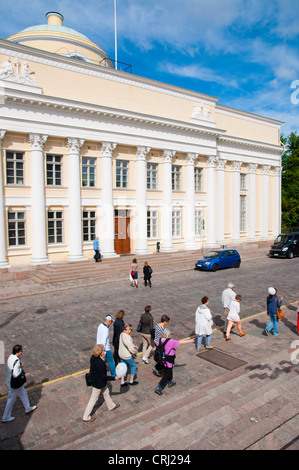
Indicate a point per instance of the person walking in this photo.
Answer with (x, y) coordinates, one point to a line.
(273, 303)
(118, 328)
(170, 347)
(159, 329)
(99, 379)
(103, 337)
(233, 317)
(97, 250)
(228, 295)
(203, 323)
(15, 369)
(134, 273)
(127, 352)
(147, 325)
(147, 274)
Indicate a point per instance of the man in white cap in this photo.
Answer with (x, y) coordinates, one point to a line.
(103, 337)
(228, 295)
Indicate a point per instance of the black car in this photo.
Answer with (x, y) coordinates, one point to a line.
(286, 245)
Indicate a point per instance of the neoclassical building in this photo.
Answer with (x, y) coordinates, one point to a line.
(89, 150)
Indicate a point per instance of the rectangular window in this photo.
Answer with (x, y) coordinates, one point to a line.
(198, 179)
(198, 223)
(242, 213)
(55, 226)
(16, 228)
(176, 223)
(176, 178)
(243, 181)
(54, 170)
(88, 172)
(152, 224)
(151, 176)
(89, 226)
(14, 168)
(121, 174)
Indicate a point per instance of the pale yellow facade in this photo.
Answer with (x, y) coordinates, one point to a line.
(179, 167)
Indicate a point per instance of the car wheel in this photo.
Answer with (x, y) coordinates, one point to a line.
(291, 255)
(214, 267)
(237, 264)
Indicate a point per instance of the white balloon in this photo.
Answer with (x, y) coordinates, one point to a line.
(121, 369)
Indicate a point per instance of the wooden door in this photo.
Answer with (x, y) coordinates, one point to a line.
(122, 243)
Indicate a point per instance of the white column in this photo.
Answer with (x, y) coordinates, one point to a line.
(141, 205)
(220, 201)
(265, 203)
(3, 252)
(189, 212)
(75, 211)
(251, 202)
(211, 213)
(38, 206)
(276, 202)
(106, 234)
(236, 165)
(166, 226)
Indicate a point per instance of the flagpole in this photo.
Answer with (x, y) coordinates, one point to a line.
(115, 35)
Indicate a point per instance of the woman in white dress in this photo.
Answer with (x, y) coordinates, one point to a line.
(203, 324)
(233, 317)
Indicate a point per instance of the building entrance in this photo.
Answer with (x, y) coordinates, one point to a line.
(122, 243)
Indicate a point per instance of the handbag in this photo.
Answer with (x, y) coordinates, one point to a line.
(17, 382)
(88, 379)
(139, 327)
(132, 273)
(279, 312)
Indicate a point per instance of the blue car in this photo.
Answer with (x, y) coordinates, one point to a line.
(218, 259)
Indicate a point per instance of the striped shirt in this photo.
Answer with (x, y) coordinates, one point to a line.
(158, 333)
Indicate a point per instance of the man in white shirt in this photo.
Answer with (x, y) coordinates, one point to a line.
(103, 337)
(228, 295)
(14, 367)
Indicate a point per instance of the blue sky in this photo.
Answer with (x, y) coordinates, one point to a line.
(244, 52)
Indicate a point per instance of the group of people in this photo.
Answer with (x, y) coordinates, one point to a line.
(158, 337)
(147, 274)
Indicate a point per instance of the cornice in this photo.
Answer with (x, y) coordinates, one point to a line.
(230, 140)
(245, 115)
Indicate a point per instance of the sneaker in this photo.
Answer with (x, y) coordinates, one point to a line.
(243, 334)
(209, 347)
(8, 420)
(145, 360)
(125, 384)
(156, 373)
(158, 391)
(228, 339)
(133, 383)
(32, 408)
(266, 332)
(171, 383)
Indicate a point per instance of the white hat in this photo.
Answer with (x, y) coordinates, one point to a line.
(271, 291)
(109, 317)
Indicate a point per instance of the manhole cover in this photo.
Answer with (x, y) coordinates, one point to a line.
(221, 359)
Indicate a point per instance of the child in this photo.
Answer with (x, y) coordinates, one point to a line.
(147, 274)
(233, 316)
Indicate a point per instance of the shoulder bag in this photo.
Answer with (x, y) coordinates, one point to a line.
(17, 382)
(279, 312)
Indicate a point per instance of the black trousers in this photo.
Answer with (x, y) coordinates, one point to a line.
(166, 377)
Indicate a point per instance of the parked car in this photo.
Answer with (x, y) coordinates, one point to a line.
(286, 245)
(218, 259)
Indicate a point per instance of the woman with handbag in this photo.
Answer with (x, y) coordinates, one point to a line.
(134, 273)
(273, 304)
(15, 384)
(127, 352)
(99, 379)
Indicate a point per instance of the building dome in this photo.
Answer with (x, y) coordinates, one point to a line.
(54, 37)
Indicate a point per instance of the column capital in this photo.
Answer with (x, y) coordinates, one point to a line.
(191, 157)
(142, 152)
(265, 169)
(276, 170)
(168, 155)
(74, 144)
(236, 165)
(37, 141)
(107, 148)
(252, 167)
(212, 159)
(2, 134)
(221, 164)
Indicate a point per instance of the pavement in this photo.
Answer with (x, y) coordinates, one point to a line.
(253, 406)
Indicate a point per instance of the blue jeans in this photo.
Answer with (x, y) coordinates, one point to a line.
(199, 340)
(131, 363)
(111, 363)
(273, 324)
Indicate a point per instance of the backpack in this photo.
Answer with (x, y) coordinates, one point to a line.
(160, 356)
(150, 270)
